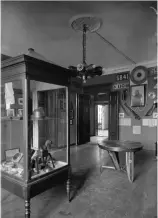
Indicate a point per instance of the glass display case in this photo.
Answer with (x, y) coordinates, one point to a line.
(35, 131)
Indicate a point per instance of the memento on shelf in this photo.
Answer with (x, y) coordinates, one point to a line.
(42, 159)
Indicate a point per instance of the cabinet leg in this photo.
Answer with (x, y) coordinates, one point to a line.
(68, 189)
(68, 184)
(27, 208)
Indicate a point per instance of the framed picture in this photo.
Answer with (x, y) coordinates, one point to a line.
(20, 113)
(20, 101)
(10, 153)
(10, 113)
(17, 157)
(121, 115)
(138, 96)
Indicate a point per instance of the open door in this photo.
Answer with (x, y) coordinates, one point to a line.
(83, 119)
(101, 119)
(113, 116)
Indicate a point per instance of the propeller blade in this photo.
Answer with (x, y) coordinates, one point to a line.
(90, 67)
(72, 68)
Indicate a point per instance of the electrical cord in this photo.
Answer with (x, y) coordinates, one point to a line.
(116, 49)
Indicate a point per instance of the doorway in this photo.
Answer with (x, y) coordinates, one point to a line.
(83, 130)
(101, 120)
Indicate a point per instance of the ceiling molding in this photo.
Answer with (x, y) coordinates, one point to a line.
(147, 64)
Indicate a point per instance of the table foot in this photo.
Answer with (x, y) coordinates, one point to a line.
(123, 169)
(109, 167)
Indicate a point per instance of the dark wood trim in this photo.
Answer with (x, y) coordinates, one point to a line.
(36, 69)
(13, 71)
(116, 98)
(100, 80)
(95, 89)
(72, 144)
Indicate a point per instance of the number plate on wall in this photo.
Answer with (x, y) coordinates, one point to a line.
(122, 76)
(119, 86)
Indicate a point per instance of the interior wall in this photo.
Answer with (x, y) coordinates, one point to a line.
(148, 134)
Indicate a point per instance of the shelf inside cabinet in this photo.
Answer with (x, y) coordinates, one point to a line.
(11, 118)
(44, 118)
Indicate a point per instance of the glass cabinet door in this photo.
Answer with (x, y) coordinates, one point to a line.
(12, 134)
(47, 128)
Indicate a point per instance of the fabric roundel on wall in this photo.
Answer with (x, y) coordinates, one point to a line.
(139, 74)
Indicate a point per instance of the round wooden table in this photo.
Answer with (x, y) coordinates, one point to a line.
(130, 147)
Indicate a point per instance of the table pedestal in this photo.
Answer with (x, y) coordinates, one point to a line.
(113, 147)
(130, 165)
(129, 168)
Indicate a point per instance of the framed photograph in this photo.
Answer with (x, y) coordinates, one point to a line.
(20, 113)
(121, 115)
(17, 157)
(10, 153)
(20, 101)
(10, 113)
(137, 96)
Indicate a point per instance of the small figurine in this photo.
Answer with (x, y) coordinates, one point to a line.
(42, 156)
(46, 154)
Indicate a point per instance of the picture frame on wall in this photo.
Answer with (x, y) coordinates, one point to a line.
(20, 101)
(138, 96)
(20, 113)
(10, 113)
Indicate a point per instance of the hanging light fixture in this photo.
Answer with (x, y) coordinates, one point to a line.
(85, 24)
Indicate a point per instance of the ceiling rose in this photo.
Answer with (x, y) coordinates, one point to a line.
(85, 24)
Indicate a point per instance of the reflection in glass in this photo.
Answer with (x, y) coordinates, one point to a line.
(47, 128)
(12, 147)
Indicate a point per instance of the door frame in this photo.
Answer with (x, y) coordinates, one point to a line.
(102, 88)
(96, 114)
(116, 98)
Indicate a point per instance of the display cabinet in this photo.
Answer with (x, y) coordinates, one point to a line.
(35, 151)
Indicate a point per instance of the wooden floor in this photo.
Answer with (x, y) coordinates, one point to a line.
(95, 195)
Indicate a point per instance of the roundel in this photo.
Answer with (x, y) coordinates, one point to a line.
(139, 75)
(152, 95)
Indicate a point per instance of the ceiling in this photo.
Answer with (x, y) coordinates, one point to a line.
(44, 26)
